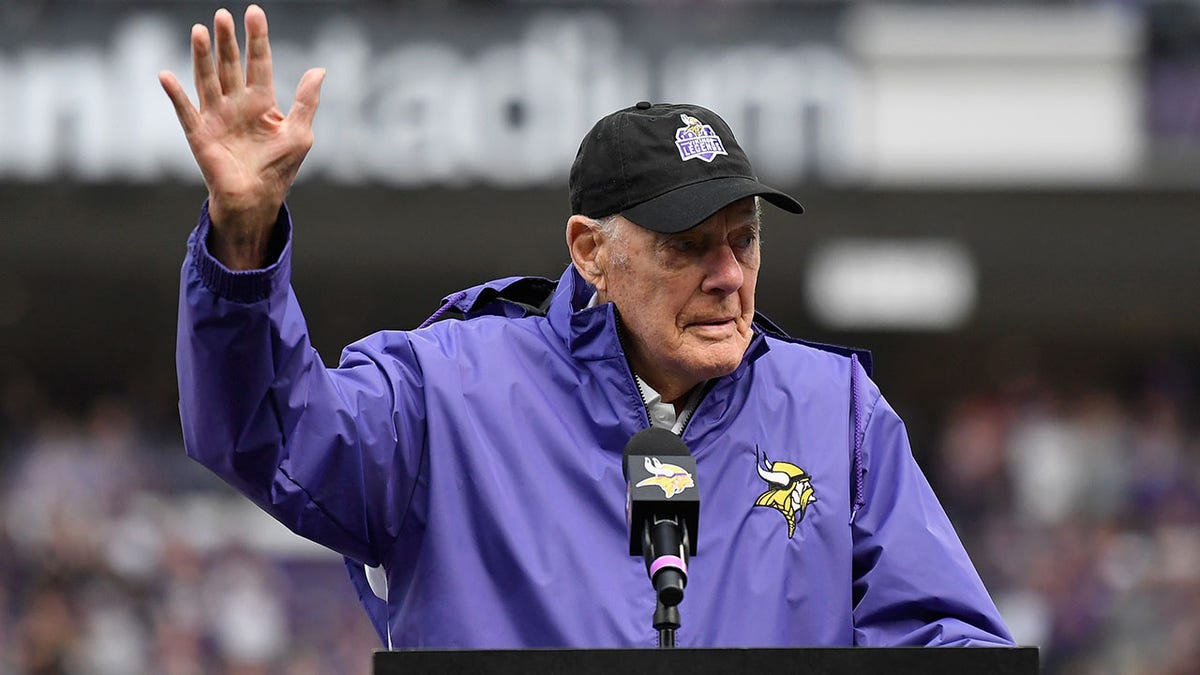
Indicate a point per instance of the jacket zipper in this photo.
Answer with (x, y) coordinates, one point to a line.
(629, 370)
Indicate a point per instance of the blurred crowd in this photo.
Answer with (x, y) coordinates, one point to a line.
(120, 558)
(1082, 513)
(1081, 510)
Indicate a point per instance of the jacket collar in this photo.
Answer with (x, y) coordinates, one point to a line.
(590, 333)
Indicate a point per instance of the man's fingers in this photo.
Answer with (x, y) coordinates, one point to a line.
(207, 86)
(308, 96)
(189, 118)
(229, 59)
(258, 48)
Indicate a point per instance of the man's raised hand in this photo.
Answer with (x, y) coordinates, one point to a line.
(248, 151)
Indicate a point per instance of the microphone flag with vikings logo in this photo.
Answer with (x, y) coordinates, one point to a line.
(660, 480)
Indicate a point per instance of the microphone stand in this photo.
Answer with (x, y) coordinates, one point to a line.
(666, 621)
(659, 543)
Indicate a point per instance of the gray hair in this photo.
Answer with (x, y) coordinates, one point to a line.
(607, 225)
(610, 226)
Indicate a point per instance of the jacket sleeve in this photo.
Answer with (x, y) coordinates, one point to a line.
(914, 584)
(331, 453)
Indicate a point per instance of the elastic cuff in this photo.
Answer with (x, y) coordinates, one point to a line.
(244, 286)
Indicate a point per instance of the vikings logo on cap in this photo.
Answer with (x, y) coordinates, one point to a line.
(790, 491)
(671, 478)
(697, 139)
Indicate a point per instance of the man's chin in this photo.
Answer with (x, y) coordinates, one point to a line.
(717, 360)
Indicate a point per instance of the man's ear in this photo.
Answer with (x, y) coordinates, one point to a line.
(586, 243)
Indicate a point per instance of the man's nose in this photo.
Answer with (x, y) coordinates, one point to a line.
(723, 272)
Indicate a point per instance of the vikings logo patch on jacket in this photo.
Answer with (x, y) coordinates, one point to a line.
(790, 493)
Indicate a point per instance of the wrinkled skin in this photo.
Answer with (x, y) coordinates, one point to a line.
(686, 300)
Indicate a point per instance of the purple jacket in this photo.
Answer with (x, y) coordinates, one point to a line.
(478, 464)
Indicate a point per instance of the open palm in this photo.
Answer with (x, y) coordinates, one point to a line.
(247, 149)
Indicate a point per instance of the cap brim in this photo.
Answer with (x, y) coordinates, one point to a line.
(690, 205)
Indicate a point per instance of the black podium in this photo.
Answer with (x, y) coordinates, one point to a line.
(813, 661)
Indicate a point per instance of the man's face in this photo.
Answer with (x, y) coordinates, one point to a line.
(686, 300)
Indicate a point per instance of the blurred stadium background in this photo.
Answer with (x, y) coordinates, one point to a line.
(1002, 204)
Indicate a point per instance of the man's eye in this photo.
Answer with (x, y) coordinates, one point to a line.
(683, 245)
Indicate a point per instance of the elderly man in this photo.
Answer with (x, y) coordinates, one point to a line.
(470, 470)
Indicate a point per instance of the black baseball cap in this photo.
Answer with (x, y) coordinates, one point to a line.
(665, 166)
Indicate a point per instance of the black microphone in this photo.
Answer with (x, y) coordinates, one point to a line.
(662, 508)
